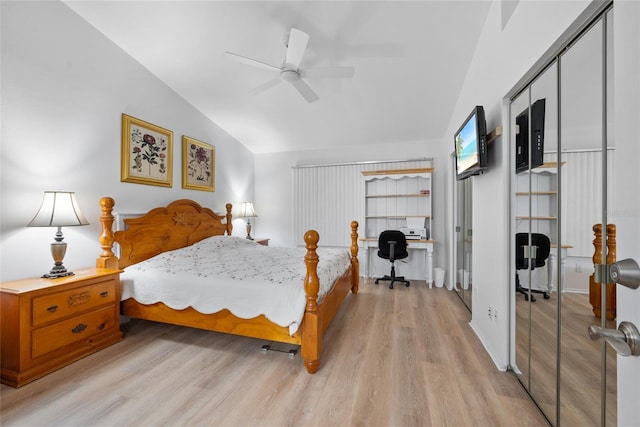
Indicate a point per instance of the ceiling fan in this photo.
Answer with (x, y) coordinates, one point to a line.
(290, 72)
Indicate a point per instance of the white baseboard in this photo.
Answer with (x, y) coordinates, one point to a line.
(501, 365)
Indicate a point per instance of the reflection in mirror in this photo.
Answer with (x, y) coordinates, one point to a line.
(536, 197)
(467, 274)
(563, 198)
(544, 196)
(463, 217)
(522, 209)
(583, 181)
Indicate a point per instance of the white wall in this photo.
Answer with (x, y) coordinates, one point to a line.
(625, 213)
(507, 51)
(274, 185)
(64, 88)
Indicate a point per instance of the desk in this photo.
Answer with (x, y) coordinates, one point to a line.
(553, 255)
(551, 284)
(422, 245)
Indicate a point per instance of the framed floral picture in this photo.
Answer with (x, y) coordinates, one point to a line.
(146, 153)
(198, 165)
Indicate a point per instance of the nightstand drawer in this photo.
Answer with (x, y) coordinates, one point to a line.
(49, 323)
(82, 327)
(68, 303)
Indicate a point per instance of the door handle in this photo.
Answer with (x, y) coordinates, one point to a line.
(625, 272)
(625, 340)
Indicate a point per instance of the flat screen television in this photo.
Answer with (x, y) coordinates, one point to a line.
(471, 145)
(524, 150)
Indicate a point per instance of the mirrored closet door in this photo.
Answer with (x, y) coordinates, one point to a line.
(587, 368)
(463, 238)
(562, 150)
(536, 237)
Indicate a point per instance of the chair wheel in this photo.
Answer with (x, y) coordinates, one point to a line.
(407, 284)
(391, 286)
(546, 296)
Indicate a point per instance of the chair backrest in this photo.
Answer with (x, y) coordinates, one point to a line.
(543, 250)
(400, 247)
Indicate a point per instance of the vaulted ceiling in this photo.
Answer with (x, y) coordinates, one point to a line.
(410, 60)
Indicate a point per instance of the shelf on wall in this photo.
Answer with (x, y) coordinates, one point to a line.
(397, 171)
(548, 165)
(491, 136)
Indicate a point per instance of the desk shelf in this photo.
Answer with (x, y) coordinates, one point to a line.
(537, 199)
(393, 196)
(393, 200)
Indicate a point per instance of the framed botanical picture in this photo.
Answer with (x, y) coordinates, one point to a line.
(198, 165)
(146, 153)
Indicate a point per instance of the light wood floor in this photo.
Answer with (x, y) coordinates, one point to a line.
(580, 361)
(401, 357)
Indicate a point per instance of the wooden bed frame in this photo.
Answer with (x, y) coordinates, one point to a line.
(185, 222)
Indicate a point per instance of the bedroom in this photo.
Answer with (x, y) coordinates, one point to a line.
(63, 95)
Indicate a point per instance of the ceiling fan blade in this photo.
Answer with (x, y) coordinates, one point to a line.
(265, 86)
(305, 90)
(328, 72)
(295, 48)
(252, 62)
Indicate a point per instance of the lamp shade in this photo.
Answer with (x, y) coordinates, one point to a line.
(247, 210)
(58, 209)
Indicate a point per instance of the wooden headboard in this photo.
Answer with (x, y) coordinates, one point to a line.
(179, 224)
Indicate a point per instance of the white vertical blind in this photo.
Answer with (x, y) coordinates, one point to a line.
(328, 197)
(581, 209)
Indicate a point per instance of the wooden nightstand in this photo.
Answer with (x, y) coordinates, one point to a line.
(49, 323)
(263, 242)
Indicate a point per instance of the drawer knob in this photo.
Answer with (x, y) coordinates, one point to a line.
(104, 294)
(79, 328)
(101, 326)
(52, 309)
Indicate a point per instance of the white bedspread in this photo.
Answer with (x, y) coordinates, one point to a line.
(234, 273)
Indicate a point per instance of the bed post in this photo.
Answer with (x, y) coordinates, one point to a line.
(311, 326)
(355, 266)
(229, 219)
(107, 258)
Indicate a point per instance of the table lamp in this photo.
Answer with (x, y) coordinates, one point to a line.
(58, 209)
(247, 211)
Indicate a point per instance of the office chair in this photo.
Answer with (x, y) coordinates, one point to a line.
(392, 245)
(543, 248)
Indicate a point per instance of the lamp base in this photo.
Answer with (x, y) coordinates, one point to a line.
(56, 275)
(58, 249)
(58, 270)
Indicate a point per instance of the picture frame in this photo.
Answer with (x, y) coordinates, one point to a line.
(147, 153)
(198, 165)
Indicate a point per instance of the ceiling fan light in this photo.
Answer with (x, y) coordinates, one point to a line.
(289, 76)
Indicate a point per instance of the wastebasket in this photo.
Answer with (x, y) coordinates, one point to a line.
(439, 277)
